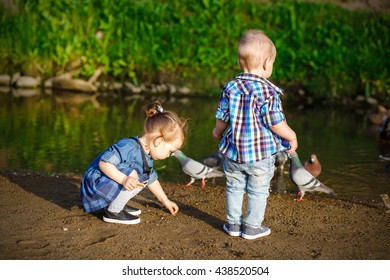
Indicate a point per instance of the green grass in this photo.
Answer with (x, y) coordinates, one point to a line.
(329, 52)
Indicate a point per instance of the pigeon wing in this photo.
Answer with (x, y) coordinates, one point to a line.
(195, 169)
(213, 173)
(302, 177)
(304, 180)
(324, 189)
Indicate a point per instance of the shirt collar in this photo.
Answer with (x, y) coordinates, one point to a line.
(256, 78)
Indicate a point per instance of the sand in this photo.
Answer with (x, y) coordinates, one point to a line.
(42, 218)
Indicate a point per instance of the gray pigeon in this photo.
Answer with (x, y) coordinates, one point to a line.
(304, 180)
(214, 160)
(386, 201)
(196, 169)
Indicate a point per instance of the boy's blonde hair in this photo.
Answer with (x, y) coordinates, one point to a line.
(165, 123)
(254, 48)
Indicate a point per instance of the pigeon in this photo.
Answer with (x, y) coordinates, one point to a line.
(303, 179)
(195, 169)
(313, 165)
(386, 201)
(280, 160)
(214, 160)
(384, 142)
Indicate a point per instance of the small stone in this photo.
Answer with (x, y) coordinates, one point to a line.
(27, 82)
(5, 79)
(184, 90)
(372, 101)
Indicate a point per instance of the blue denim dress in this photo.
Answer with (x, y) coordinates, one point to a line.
(97, 190)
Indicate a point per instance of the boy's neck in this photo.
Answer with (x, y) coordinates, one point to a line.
(258, 73)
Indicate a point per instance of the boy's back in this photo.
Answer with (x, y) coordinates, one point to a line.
(252, 128)
(250, 104)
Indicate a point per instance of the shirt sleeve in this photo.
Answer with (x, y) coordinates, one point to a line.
(272, 111)
(223, 107)
(153, 176)
(118, 152)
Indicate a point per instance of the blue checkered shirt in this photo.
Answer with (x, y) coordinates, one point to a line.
(250, 104)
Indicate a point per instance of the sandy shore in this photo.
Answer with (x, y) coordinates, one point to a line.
(41, 218)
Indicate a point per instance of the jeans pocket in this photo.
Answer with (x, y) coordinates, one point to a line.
(263, 167)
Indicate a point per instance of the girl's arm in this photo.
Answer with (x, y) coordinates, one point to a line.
(283, 130)
(129, 182)
(159, 193)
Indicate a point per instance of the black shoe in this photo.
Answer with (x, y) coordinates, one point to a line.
(120, 218)
(132, 210)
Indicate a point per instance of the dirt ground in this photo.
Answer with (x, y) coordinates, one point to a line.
(41, 218)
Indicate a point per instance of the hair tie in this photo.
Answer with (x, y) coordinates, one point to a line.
(160, 109)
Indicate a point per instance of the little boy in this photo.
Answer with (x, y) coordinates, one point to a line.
(250, 109)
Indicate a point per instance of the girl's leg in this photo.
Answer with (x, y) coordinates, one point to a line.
(121, 200)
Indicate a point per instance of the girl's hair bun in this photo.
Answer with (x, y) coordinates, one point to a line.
(166, 124)
(153, 109)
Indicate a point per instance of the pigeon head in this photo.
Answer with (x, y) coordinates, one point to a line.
(295, 159)
(178, 154)
(313, 158)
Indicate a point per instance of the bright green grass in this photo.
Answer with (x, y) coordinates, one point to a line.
(327, 51)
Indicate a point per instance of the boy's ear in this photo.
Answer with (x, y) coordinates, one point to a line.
(266, 63)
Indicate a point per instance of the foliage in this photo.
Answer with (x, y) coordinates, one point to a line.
(325, 50)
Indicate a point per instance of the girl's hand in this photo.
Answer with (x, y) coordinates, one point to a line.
(171, 206)
(130, 182)
(157, 190)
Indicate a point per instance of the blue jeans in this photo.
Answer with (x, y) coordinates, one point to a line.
(253, 179)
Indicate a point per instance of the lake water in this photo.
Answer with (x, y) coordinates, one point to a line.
(64, 132)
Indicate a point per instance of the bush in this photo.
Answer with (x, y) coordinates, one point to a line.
(325, 50)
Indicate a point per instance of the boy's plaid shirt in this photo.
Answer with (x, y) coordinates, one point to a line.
(250, 104)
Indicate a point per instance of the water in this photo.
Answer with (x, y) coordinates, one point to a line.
(64, 132)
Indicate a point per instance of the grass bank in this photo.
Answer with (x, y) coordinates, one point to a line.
(323, 49)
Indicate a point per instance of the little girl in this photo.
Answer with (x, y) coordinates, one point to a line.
(125, 168)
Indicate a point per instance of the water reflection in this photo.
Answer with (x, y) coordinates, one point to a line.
(64, 132)
(25, 92)
(76, 99)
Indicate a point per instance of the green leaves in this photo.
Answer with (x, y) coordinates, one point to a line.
(185, 41)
